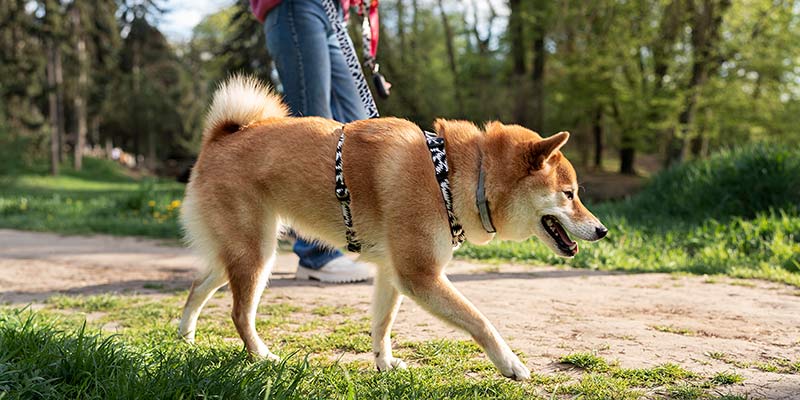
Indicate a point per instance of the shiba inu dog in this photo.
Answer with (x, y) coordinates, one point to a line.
(259, 169)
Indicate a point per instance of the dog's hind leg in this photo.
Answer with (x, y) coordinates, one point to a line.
(202, 290)
(436, 293)
(385, 304)
(248, 271)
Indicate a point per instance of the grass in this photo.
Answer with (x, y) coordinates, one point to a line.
(129, 349)
(776, 365)
(673, 329)
(727, 378)
(99, 199)
(587, 361)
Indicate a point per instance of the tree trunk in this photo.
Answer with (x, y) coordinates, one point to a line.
(109, 147)
(705, 35)
(401, 31)
(597, 130)
(537, 122)
(516, 32)
(80, 92)
(95, 137)
(626, 160)
(53, 107)
(59, 81)
(135, 104)
(451, 57)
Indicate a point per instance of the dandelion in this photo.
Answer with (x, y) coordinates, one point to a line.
(175, 203)
(151, 203)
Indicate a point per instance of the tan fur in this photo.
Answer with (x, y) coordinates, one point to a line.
(276, 170)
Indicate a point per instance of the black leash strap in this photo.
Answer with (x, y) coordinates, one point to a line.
(439, 158)
(344, 198)
(351, 59)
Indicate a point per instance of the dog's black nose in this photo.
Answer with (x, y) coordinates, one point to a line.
(601, 232)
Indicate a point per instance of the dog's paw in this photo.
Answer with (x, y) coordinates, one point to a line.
(265, 356)
(272, 357)
(187, 337)
(387, 363)
(516, 370)
(262, 353)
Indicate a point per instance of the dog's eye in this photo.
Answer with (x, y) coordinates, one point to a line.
(569, 194)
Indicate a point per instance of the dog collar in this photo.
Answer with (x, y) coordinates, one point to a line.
(481, 202)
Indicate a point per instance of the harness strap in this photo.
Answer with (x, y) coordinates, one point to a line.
(439, 157)
(343, 195)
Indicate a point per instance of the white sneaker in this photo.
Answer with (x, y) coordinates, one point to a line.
(338, 270)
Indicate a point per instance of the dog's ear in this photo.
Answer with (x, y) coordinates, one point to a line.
(544, 153)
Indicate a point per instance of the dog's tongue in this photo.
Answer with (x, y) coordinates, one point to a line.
(563, 235)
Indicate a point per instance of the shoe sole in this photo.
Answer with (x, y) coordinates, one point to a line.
(310, 274)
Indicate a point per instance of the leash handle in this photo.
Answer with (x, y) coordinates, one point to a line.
(351, 59)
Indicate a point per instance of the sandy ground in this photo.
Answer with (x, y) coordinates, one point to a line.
(544, 312)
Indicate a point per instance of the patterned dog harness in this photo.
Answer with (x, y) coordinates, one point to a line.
(439, 158)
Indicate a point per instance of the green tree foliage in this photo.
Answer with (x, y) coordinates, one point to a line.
(673, 78)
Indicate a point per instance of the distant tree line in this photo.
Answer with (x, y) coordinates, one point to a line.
(671, 78)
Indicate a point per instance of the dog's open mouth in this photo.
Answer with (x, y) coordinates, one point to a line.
(557, 232)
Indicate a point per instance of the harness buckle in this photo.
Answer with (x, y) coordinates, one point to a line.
(342, 194)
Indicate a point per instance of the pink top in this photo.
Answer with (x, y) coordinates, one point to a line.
(262, 7)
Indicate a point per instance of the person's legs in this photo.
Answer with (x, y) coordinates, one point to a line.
(297, 37)
(312, 255)
(346, 104)
(297, 33)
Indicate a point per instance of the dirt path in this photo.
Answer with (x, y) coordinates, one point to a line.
(640, 320)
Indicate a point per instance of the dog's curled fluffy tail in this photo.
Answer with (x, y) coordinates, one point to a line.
(238, 102)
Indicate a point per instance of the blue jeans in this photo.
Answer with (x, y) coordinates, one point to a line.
(315, 79)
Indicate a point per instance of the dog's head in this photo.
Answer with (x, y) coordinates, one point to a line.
(535, 190)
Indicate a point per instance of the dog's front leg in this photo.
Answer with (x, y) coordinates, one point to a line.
(385, 304)
(438, 295)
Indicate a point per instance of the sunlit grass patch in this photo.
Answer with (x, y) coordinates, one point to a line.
(674, 329)
(587, 361)
(727, 378)
(101, 302)
(599, 386)
(776, 365)
(685, 391)
(100, 199)
(656, 376)
(609, 380)
(144, 356)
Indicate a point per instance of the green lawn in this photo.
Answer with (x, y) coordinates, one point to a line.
(101, 200)
(54, 354)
